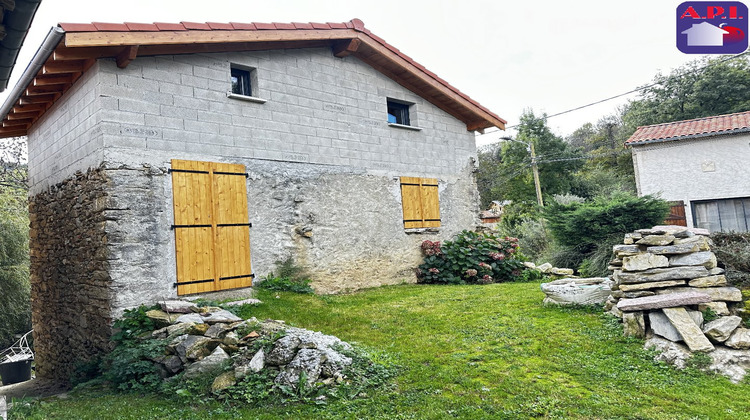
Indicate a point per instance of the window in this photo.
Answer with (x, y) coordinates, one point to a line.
(421, 205)
(722, 215)
(398, 112)
(241, 82)
(211, 227)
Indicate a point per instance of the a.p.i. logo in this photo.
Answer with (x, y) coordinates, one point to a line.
(707, 27)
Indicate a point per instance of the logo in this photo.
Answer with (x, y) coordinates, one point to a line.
(707, 27)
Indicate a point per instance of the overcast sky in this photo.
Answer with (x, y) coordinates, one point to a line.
(550, 56)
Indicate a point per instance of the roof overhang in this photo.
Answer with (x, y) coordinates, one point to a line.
(57, 67)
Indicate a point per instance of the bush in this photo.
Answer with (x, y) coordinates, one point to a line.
(733, 251)
(290, 278)
(15, 291)
(471, 258)
(532, 237)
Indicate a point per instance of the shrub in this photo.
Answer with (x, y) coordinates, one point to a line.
(290, 278)
(15, 291)
(471, 258)
(532, 237)
(733, 251)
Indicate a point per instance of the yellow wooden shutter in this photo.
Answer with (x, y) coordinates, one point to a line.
(420, 202)
(212, 236)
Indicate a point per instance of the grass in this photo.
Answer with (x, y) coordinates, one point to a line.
(468, 352)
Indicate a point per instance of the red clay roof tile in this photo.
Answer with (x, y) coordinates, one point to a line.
(279, 25)
(133, 26)
(196, 26)
(162, 26)
(316, 25)
(699, 127)
(300, 25)
(264, 26)
(77, 27)
(220, 26)
(243, 26)
(110, 27)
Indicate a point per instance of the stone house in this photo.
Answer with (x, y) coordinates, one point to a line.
(701, 165)
(173, 159)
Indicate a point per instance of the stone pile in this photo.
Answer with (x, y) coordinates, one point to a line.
(665, 279)
(202, 341)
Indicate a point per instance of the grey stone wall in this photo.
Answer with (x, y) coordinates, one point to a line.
(70, 282)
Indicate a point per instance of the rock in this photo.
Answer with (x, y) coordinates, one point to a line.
(231, 339)
(731, 363)
(208, 365)
(669, 352)
(740, 339)
(545, 268)
(334, 364)
(161, 318)
(283, 350)
(198, 329)
(716, 271)
(719, 308)
(530, 265)
(674, 249)
(661, 274)
(190, 318)
(661, 326)
(662, 301)
(217, 330)
(249, 301)
(561, 271)
(161, 333)
(221, 315)
(577, 291)
(179, 329)
(617, 294)
(650, 285)
(223, 381)
(644, 261)
(642, 293)
(721, 328)
(630, 238)
(172, 364)
(621, 251)
(709, 281)
(724, 294)
(703, 242)
(659, 240)
(704, 258)
(191, 347)
(691, 333)
(634, 324)
(250, 336)
(309, 361)
(616, 312)
(177, 306)
(257, 362)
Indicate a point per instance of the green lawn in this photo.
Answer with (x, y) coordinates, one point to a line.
(468, 352)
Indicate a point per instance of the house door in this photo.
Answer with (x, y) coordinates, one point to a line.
(211, 226)
(676, 214)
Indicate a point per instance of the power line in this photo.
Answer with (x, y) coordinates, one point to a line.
(723, 60)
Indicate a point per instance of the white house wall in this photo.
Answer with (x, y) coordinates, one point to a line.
(694, 169)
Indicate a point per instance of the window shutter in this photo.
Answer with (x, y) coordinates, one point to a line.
(420, 202)
(212, 236)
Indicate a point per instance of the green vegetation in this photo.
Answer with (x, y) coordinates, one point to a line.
(290, 277)
(733, 250)
(15, 290)
(471, 258)
(471, 352)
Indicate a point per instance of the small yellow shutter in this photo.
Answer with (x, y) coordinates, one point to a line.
(420, 202)
(212, 236)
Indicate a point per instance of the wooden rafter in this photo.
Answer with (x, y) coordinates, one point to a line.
(127, 55)
(46, 80)
(343, 48)
(61, 67)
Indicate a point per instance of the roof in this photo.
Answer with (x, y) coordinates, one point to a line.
(73, 48)
(689, 129)
(15, 21)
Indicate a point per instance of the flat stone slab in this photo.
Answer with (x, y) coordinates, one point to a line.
(704, 258)
(644, 261)
(675, 249)
(177, 306)
(722, 294)
(670, 300)
(710, 281)
(691, 333)
(650, 285)
(656, 240)
(661, 274)
(721, 328)
(661, 326)
(249, 301)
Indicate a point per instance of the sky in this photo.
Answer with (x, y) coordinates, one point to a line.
(510, 56)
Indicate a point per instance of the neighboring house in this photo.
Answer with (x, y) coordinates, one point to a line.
(174, 159)
(15, 20)
(701, 165)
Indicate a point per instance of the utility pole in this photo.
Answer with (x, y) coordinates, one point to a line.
(535, 171)
(534, 168)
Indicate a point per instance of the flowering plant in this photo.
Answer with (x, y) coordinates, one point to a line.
(471, 258)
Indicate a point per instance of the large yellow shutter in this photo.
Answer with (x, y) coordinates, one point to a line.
(421, 205)
(212, 230)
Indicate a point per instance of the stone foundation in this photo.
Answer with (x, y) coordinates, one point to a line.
(70, 282)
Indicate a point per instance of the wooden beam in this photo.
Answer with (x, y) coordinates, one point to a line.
(62, 79)
(343, 48)
(43, 90)
(127, 55)
(38, 99)
(12, 132)
(22, 115)
(147, 50)
(61, 67)
(29, 107)
(63, 53)
(105, 39)
(16, 123)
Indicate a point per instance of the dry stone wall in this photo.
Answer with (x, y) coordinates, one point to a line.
(70, 282)
(665, 279)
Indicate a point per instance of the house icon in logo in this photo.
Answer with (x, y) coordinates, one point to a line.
(705, 34)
